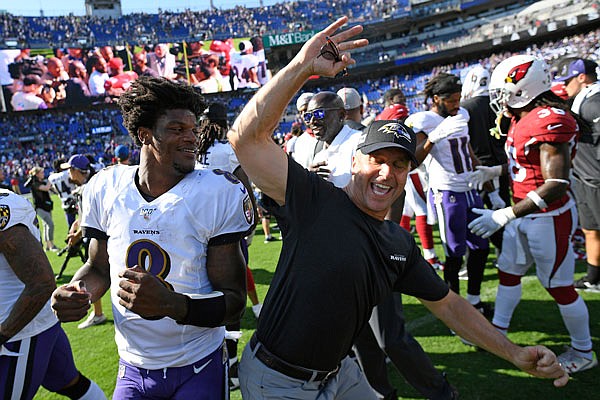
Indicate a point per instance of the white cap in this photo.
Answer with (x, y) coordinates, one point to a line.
(350, 97)
(303, 100)
(245, 45)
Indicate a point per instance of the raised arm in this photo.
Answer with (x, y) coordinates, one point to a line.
(26, 258)
(262, 159)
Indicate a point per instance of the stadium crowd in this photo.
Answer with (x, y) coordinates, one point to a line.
(54, 133)
(216, 23)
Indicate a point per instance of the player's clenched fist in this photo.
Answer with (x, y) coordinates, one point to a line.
(143, 293)
(71, 302)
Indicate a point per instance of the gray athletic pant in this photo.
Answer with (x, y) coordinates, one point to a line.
(258, 382)
(386, 334)
(48, 223)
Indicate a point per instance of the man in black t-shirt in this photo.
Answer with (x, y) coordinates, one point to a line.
(581, 83)
(340, 256)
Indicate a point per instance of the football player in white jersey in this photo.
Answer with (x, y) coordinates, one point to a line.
(540, 145)
(262, 71)
(165, 239)
(443, 138)
(34, 350)
(63, 186)
(245, 65)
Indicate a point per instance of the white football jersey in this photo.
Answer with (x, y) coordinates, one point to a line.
(304, 149)
(262, 70)
(16, 210)
(219, 156)
(449, 163)
(60, 181)
(241, 65)
(169, 237)
(338, 156)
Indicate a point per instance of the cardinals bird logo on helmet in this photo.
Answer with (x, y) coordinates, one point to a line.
(517, 73)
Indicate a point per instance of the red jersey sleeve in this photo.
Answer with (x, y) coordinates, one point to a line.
(552, 125)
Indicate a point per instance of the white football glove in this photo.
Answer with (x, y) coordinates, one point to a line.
(490, 221)
(484, 174)
(496, 200)
(449, 126)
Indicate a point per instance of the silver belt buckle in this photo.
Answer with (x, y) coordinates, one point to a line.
(329, 375)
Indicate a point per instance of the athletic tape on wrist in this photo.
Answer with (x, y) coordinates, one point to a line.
(205, 310)
(566, 182)
(536, 198)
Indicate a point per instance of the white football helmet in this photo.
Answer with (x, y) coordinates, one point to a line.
(517, 81)
(475, 82)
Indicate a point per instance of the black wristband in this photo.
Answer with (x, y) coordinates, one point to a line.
(208, 311)
(3, 339)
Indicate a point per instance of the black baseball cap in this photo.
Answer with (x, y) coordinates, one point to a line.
(216, 112)
(446, 84)
(385, 134)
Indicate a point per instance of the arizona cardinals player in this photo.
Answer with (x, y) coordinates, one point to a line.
(538, 227)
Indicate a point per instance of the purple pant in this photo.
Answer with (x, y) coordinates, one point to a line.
(453, 212)
(205, 379)
(46, 359)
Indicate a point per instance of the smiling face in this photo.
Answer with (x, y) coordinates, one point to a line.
(378, 180)
(173, 142)
(325, 116)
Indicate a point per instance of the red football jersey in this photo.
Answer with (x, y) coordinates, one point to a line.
(394, 111)
(541, 125)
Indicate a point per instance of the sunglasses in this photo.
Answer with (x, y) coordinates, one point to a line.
(330, 51)
(318, 113)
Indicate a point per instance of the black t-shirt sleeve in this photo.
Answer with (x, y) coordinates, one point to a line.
(419, 279)
(303, 189)
(589, 112)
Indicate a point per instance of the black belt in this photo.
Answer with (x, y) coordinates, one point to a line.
(293, 371)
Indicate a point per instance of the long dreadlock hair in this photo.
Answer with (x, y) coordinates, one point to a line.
(215, 128)
(149, 98)
(550, 99)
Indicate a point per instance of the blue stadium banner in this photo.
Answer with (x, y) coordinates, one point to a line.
(285, 39)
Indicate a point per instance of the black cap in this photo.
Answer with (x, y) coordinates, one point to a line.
(446, 84)
(385, 134)
(216, 112)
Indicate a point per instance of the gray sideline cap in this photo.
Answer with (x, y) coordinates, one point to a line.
(350, 97)
(303, 100)
(385, 134)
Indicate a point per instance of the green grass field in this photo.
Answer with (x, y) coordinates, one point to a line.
(477, 374)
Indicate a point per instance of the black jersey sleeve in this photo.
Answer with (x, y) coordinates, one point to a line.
(303, 190)
(419, 279)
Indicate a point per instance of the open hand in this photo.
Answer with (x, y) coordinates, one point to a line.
(329, 65)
